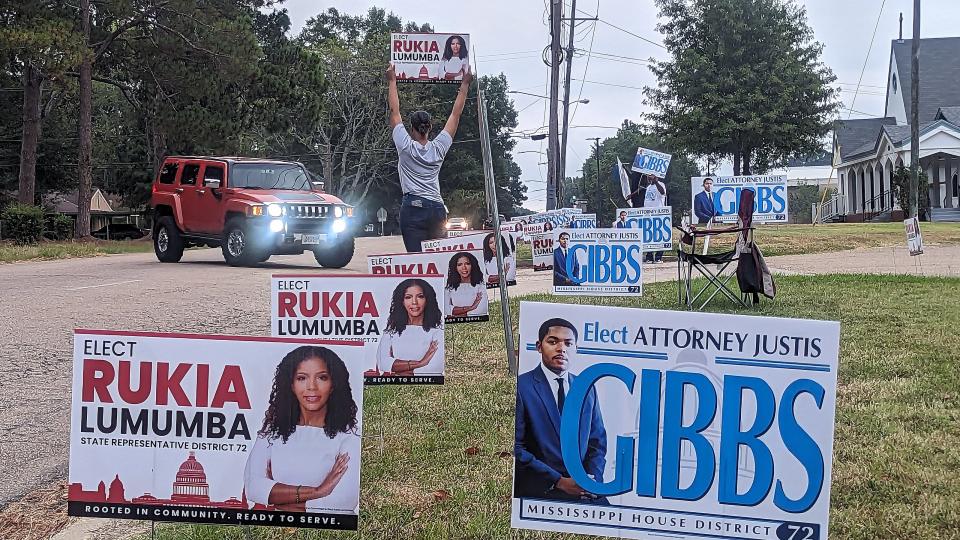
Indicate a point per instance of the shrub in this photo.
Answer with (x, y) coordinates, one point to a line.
(901, 189)
(58, 227)
(23, 223)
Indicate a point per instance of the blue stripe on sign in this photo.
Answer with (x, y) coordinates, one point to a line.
(624, 354)
(775, 364)
(612, 352)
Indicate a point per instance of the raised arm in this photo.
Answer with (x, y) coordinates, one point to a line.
(393, 98)
(454, 120)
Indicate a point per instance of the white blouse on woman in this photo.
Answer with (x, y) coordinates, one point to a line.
(305, 460)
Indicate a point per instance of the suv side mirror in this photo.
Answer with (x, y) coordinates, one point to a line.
(212, 183)
(317, 185)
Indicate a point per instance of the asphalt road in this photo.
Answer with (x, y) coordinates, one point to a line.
(41, 303)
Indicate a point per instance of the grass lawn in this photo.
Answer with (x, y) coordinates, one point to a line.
(436, 461)
(803, 239)
(10, 252)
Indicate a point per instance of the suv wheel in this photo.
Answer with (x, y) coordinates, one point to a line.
(167, 242)
(336, 256)
(238, 245)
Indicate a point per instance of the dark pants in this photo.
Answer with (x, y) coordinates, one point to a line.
(651, 256)
(420, 219)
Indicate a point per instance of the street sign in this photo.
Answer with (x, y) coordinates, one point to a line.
(381, 215)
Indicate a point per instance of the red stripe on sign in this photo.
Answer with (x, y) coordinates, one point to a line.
(83, 331)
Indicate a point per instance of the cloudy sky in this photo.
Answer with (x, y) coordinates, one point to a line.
(508, 36)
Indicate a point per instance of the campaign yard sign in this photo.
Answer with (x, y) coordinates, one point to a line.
(484, 241)
(651, 162)
(769, 204)
(207, 429)
(464, 276)
(914, 239)
(635, 423)
(399, 319)
(583, 221)
(541, 246)
(430, 58)
(656, 224)
(598, 262)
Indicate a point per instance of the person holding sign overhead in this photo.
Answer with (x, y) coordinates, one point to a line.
(540, 470)
(414, 332)
(655, 197)
(422, 212)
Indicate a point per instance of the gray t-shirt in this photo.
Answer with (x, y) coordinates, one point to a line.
(419, 165)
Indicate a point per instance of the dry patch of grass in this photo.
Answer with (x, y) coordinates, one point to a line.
(37, 516)
(10, 252)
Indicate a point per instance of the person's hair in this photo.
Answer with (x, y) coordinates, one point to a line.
(561, 235)
(398, 319)
(453, 277)
(421, 122)
(556, 321)
(448, 48)
(705, 180)
(547, 226)
(488, 253)
(283, 413)
(623, 213)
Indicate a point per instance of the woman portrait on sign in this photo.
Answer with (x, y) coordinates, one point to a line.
(490, 260)
(455, 59)
(307, 454)
(412, 342)
(466, 293)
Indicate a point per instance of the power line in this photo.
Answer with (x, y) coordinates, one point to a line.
(870, 48)
(585, 67)
(624, 30)
(612, 84)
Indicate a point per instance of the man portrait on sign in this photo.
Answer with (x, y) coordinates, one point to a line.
(560, 257)
(539, 468)
(703, 203)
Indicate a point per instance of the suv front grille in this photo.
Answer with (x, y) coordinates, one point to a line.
(307, 211)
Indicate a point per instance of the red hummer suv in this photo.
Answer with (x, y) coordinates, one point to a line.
(251, 208)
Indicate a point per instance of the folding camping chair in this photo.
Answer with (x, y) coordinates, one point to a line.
(687, 261)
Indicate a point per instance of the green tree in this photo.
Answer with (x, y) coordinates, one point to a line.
(38, 45)
(744, 80)
(624, 146)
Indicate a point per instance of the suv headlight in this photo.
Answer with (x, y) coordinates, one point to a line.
(274, 210)
(337, 211)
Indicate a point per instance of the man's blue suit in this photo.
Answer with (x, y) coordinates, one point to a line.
(560, 276)
(539, 463)
(703, 207)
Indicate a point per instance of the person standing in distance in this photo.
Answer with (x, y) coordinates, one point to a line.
(656, 197)
(422, 212)
(703, 203)
(539, 468)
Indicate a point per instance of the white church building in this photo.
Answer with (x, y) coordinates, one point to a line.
(867, 151)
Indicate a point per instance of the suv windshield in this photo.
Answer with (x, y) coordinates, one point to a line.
(269, 176)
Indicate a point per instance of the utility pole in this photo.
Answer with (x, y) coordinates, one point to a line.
(915, 113)
(596, 152)
(553, 154)
(566, 93)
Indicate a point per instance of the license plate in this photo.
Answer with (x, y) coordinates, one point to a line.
(313, 238)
